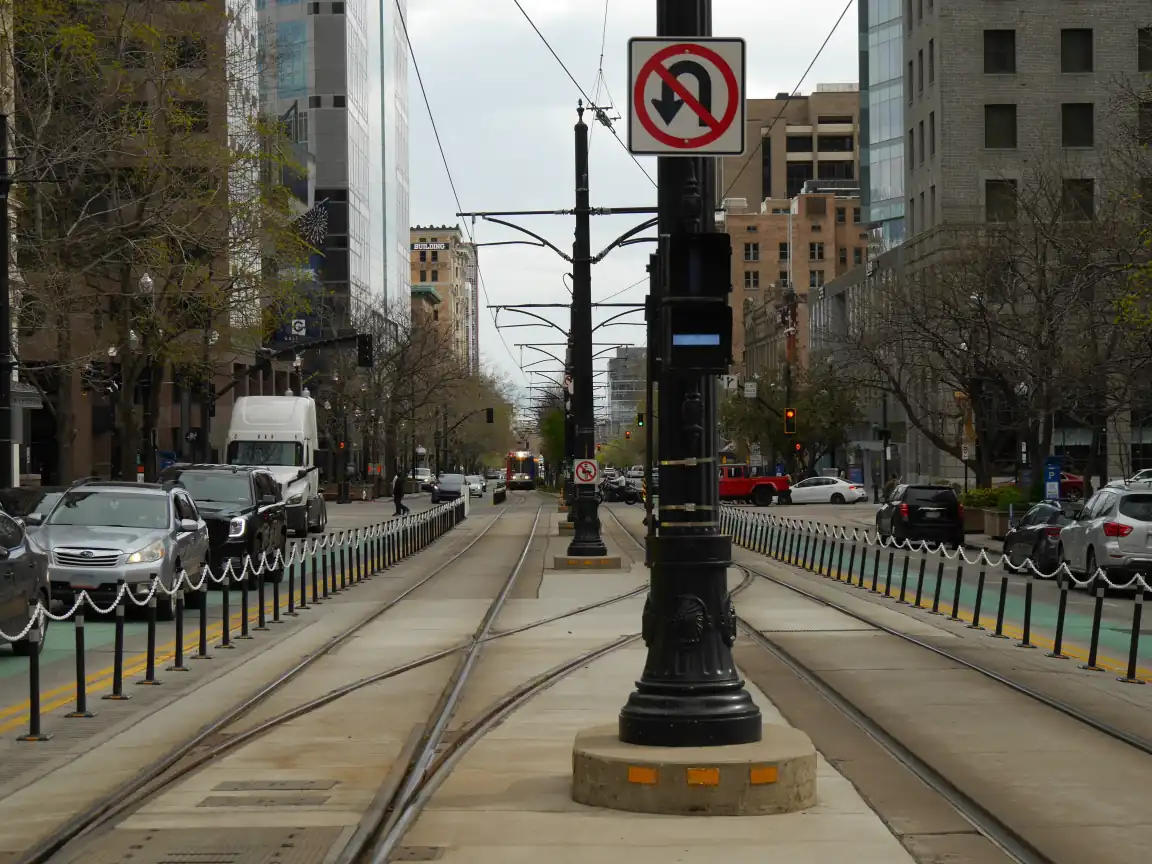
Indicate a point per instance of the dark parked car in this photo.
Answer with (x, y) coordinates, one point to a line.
(922, 512)
(244, 511)
(449, 487)
(1036, 536)
(23, 578)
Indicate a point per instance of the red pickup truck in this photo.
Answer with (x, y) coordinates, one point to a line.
(743, 483)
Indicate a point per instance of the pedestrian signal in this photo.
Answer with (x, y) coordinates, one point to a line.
(364, 350)
(789, 421)
(599, 447)
(640, 419)
(341, 445)
(798, 446)
(628, 435)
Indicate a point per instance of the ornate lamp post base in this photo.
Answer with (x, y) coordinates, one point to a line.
(586, 541)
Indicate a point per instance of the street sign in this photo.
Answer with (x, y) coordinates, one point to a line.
(749, 389)
(964, 452)
(299, 327)
(568, 383)
(666, 116)
(755, 457)
(585, 471)
(1052, 466)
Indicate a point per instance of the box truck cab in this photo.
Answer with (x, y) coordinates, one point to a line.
(279, 433)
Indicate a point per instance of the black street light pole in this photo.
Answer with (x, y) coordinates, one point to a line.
(569, 435)
(7, 462)
(586, 535)
(690, 693)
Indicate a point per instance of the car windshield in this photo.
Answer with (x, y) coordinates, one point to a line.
(107, 509)
(265, 453)
(930, 495)
(452, 480)
(217, 486)
(1137, 507)
(475, 478)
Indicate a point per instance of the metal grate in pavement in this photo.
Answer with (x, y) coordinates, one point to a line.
(262, 801)
(220, 846)
(274, 785)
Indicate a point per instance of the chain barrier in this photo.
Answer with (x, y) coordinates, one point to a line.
(361, 553)
(820, 547)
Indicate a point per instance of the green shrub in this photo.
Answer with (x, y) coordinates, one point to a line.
(981, 498)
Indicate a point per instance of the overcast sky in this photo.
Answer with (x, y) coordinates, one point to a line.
(505, 110)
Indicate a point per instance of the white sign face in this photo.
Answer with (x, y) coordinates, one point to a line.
(568, 384)
(1052, 490)
(299, 326)
(755, 460)
(686, 96)
(585, 471)
(749, 389)
(964, 452)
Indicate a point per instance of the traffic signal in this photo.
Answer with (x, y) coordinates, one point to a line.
(789, 421)
(598, 447)
(490, 415)
(628, 434)
(341, 445)
(364, 350)
(798, 446)
(640, 419)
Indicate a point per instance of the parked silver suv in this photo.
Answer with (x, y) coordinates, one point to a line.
(103, 531)
(1112, 531)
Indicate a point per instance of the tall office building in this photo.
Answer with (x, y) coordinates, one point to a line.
(882, 121)
(627, 377)
(344, 67)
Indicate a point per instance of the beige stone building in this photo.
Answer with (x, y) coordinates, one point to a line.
(444, 286)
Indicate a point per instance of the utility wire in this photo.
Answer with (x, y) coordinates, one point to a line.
(799, 83)
(452, 183)
(600, 82)
(643, 281)
(591, 104)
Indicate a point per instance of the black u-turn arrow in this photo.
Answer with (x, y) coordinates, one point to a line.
(669, 104)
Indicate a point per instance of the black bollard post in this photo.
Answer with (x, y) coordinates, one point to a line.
(344, 562)
(178, 660)
(314, 569)
(81, 675)
(920, 582)
(245, 584)
(999, 632)
(863, 562)
(904, 581)
(936, 588)
(806, 560)
(202, 652)
(1061, 610)
(35, 642)
(1026, 642)
(888, 576)
(852, 564)
(262, 600)
(324, 557)
(1134, 643)
(840, 561)
(955, 616)
(291, 568)
(332, 563)
(117, 693)
(975, 625)
(875, 573)
(300, 564)
(150, 657)
(1094, 644)
(225, 613)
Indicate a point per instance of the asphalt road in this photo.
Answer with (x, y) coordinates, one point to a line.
(1116, 612)
(58, 659)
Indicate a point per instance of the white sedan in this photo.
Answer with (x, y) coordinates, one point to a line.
(827, 490)
(476, 486)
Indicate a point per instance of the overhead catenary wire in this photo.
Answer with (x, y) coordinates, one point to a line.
(601, 83)
(583, 93)
(451, 180)
(795, 90)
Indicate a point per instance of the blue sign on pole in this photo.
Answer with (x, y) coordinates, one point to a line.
(1052, 478)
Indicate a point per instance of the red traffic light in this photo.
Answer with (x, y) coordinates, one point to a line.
(341, 445)
(628, 434)
(798, 446)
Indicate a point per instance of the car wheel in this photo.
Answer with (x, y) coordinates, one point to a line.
(23, 648)
(1091, 567)
(762, 496)
(836, 498)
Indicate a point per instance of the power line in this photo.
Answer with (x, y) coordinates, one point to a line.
(600, 82)
(591, 104)
(452, 182)
(643, 281)
(799, 83)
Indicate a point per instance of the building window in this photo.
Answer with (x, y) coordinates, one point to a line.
(858, 253)
(751, 279)
(783, 252)
(423, 257)
(1079, 199)
(815, 251)
(925, 216)
(999, 52)
(932, 133)
(908, 82)
(783, 278)
(911, 217)
(339, 102)
(1000, 200)
(855, 215)
(920, 71)
(751, 251)
(932, 201)
(435, 275)
(815, 278)
(841, 215)
(835, 143)
(435, 255)
(1076, 127)
(919, 10)
(1076, 50)
(920, 141)
(1144, 49)
(1144, 121)
(931, 60)
(798, 144)
(1000, 127)
(796, 174)
(337, 8)
(423, 275)
(843, 256)
(911, 147)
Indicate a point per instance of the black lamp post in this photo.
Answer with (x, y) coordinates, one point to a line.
(690, 693)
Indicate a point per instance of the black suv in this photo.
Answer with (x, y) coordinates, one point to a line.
(244, 511)
(922, 512)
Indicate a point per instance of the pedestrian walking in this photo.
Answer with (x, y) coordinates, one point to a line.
(398, 495)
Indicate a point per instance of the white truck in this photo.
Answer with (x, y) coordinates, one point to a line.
(280, 433)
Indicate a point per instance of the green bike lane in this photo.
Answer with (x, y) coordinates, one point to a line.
(58, 658)
(1116, 612)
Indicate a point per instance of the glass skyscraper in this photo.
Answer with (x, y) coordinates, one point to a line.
(882, 121)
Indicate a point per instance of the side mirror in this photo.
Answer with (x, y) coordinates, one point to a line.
(34, 519)
(265, 500)
(187, 526)
(3, 554)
